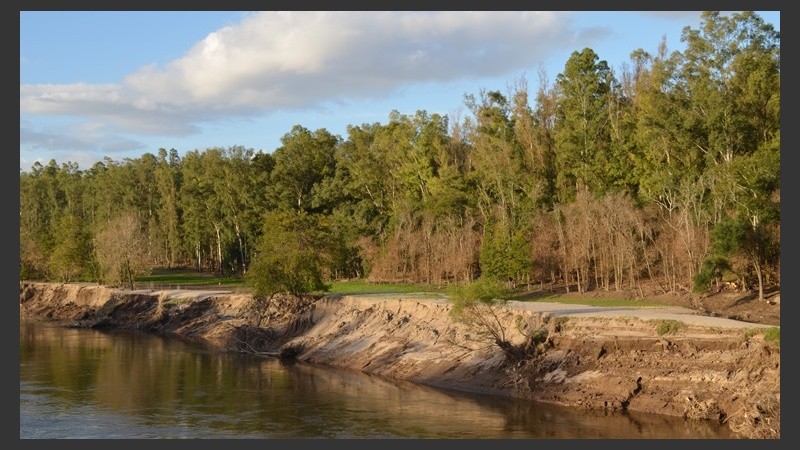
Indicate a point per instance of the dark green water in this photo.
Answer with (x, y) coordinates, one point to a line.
(97, 385)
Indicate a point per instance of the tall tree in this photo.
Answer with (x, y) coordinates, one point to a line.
(301, 163)
(582, 135)
(168, 181)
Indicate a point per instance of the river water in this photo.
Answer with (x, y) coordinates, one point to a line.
(90, 384)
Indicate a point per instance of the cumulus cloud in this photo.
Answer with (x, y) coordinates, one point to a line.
(272, 61)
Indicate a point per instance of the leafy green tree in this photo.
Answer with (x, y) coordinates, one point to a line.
(505, 254)
(582, 135)
(533, 128)
(71, 256)
(197, 229)
(751, 234)
(35, 217)
(291, 256)
(304, 160)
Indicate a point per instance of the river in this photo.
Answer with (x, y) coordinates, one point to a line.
(92, 384)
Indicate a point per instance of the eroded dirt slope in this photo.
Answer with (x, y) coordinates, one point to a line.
(706, 369)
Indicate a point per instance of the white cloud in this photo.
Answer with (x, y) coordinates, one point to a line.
(277, 60)
(682, 16)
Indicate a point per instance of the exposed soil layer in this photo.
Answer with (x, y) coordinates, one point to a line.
(701, 368)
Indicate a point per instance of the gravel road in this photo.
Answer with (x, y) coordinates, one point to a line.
(681, 314)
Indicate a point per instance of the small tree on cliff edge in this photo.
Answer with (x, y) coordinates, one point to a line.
(291, 255)
(475, 304)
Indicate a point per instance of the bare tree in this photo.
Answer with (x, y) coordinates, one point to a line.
(121, 249)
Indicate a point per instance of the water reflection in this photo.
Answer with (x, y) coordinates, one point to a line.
(92, 384)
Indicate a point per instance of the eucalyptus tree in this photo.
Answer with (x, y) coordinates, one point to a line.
(499, 172)
(196, 199)
(302, 162)
(168, 183)
(493, 165)
(146, 199)
(35, 222)
(747, 241)
(365, 179)
(582, 127)
(534, 131)
(71, 254)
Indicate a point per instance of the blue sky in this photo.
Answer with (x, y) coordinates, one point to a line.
(120, 84)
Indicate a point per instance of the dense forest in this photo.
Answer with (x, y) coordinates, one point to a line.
(666, 172)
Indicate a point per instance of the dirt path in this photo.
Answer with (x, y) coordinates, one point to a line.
(679, 313)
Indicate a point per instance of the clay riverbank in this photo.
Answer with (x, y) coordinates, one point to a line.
(703, 368)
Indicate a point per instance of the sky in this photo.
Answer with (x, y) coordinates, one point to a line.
(120, 84)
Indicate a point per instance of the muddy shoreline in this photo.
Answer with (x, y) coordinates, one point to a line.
(722, 372)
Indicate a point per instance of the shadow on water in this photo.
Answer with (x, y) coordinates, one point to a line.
(77, 383)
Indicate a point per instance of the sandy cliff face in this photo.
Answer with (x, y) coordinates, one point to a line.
(727, 374)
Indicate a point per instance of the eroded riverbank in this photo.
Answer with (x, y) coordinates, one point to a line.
(721, 371)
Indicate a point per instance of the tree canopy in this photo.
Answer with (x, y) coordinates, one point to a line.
(665, 169)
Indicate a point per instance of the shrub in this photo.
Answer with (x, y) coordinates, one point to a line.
(668, 326)
(773, 335)
(484, 290)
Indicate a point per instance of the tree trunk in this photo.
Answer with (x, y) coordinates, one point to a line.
(219, 249)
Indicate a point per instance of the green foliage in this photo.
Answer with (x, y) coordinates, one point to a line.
(539, 335)
(773, 335)
(505, 254)
(291, 256)
(474, 305)
(184, 277)
(582, 134)
(693, 136)
(485, 290)
(305, 159)
(668, 326)
(713, 268)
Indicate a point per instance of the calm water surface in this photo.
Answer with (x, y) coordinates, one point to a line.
(93, 384)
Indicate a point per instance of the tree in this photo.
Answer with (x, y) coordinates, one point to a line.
(301, 163)
(71, 256)
(167, 175)
(291, 255)
(749, 239)
(582, 131)
(121, 250)
(476, 305)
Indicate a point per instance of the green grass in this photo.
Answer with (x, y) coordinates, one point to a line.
(363, 287)
(771, 334)
(668, 326)
(188, 277)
